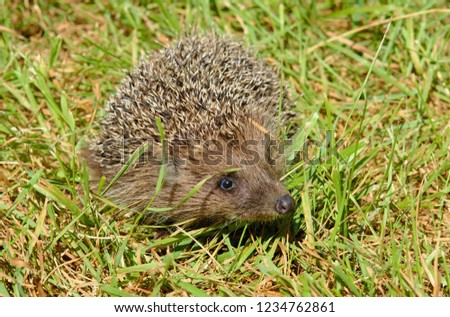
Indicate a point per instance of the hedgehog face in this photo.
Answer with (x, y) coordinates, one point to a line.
(249, 192)
(252, 194)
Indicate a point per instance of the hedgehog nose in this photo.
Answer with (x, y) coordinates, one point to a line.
(285, 204)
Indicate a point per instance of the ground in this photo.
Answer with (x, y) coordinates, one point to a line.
(371, 84)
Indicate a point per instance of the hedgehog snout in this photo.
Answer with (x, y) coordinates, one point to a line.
(285, 204)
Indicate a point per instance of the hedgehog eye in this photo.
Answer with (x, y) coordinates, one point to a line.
(226, 184)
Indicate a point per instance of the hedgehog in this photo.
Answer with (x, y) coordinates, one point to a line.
(221, 112)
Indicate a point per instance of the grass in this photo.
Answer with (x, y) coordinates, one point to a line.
(373, 218)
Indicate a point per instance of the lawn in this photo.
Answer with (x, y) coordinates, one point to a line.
(371, 84)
